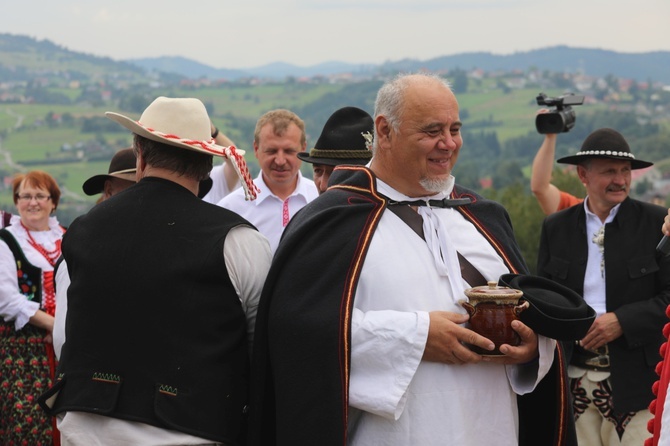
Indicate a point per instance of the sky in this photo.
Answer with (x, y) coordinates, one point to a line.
(250, 33)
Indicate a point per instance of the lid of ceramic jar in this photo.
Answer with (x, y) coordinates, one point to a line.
(493, 293)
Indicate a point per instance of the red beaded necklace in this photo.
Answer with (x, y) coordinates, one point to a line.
(50, 256)
(48, 276)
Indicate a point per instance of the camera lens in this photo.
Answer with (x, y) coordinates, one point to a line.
(555, 122)
(549, 123)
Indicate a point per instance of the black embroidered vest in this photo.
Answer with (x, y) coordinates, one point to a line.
(155, 331)
(29, 276)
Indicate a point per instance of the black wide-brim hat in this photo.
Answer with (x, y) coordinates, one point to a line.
(555, 310)
(122, 165)
(345, 139)
(605, 143)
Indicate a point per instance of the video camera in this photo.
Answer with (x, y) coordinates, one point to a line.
(560, 120)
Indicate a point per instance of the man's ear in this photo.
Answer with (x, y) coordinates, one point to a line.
(383, 129)
(140, 165)
(107, 188)
(581, 173)
(255, 149)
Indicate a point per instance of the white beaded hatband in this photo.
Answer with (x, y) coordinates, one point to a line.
(606, 153)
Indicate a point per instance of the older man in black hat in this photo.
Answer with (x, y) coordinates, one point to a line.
(162, 290)
(345, 139)
(604, 249)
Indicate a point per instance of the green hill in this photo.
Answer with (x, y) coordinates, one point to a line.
(26, 59)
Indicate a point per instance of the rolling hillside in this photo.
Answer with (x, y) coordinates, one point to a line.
(52, 104)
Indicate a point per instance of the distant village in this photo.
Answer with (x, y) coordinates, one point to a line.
(43, 87)
(649, 101)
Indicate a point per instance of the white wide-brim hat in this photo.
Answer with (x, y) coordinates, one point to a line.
(184, 122)
(179, 122)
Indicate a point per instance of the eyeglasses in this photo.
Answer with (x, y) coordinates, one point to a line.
(40, 198)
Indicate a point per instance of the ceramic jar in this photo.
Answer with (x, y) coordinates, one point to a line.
(492, 309)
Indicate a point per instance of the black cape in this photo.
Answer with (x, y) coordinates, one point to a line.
(302, 343)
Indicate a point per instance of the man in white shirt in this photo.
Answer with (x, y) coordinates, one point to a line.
(278, 138)
(359, 334)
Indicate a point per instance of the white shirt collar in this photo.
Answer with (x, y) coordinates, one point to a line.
(54, 227)
(265, 192)
(590, 215)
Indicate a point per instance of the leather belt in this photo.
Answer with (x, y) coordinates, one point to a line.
(598, 359)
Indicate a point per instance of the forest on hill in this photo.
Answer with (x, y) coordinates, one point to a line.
(52, 105)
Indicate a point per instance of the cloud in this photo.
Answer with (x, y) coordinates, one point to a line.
(103, 16)
(234, 34)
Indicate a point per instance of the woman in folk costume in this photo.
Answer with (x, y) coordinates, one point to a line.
(29, 249)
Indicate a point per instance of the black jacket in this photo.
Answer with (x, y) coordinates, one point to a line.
(637, 282)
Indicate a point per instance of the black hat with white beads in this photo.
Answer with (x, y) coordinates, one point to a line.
(605, 143)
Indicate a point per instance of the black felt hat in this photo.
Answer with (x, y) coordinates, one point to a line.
(121, 166)
(555, 310)
(346, 139)
(605, 143)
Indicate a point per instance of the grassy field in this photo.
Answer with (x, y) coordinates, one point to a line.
(235, 110)
(251, 102)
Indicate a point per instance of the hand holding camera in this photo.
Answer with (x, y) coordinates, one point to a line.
(562, 118)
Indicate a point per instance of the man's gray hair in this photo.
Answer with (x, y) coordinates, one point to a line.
(390, 98)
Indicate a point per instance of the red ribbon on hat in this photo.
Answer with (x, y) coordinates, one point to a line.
(239, 164)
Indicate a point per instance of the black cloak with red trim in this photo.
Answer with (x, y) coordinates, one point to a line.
(302, 343)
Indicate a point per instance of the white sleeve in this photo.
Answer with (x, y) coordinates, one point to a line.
(62, 280)
(219, 188)
(386, 350)
(13, 305)
(248, 257)
(524, 377)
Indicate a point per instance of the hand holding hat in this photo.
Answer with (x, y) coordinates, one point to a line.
(555, 310)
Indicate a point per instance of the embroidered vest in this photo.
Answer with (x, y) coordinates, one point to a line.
(29, 276)
(155, 331)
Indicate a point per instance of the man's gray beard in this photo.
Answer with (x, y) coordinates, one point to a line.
(434, 185)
